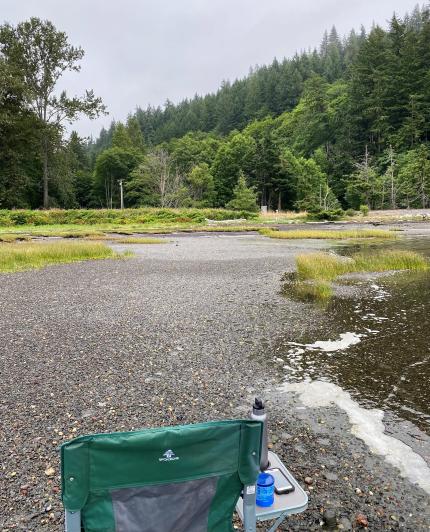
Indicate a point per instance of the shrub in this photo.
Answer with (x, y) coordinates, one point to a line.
(330, 215)
(364, 209)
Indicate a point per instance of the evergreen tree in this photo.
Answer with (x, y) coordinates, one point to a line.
(244, 197)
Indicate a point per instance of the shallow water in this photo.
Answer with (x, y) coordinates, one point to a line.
(375, 346)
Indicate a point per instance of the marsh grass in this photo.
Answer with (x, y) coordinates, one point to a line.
(25, 256)
(308, 291)
(316, 271)
(139, 240)
(13, 238)
(329, 234)
(326, 266)
(100, 231)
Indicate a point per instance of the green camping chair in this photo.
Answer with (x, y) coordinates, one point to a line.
(175, 479)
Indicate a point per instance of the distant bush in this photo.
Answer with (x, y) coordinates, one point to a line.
(320, 214)
(350, 212)
(116, 216)
(364, 209)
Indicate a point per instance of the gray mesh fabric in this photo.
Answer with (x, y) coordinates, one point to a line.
(176, 507)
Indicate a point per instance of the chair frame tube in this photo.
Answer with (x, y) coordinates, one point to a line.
(249, 515)
(72, 521)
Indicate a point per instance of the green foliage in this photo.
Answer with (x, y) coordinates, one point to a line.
(233, 157)
(201, 186)
(364, 209)
(244, 197)
(339, 127)
(39, 55)
(322, 214)
(113, 165)
(116, 216)
(414, 176)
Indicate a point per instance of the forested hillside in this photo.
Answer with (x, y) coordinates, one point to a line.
(345, 125)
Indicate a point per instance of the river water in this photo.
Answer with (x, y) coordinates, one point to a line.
(376, 346)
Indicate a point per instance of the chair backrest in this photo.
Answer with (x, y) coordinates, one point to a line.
(184, 479)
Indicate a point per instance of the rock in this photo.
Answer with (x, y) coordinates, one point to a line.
(308, 481)
(328, 475)
(358, 491)
(344, 524)
(88, 413)
(361, 520)
(49, 471)
(24, 489)
(329, 517)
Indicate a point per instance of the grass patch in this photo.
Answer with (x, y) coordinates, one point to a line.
(316, 271)
(308, 291)
(329, 234)
(284, 217)
(224, 228)
(139, 240)
(26, 256)
(326, 267)
(13, 238)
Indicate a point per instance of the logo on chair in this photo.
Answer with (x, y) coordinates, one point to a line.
(168, 456)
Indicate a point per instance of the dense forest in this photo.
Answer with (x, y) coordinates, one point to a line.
(346, 125)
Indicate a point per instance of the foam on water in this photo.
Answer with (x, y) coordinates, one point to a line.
(367, 424)
(346, 340)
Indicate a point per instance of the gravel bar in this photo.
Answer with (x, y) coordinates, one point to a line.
(182, 332)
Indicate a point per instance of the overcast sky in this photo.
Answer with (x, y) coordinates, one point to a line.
(140, 52)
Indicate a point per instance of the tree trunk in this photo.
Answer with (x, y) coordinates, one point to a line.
(279, 201)
(45, 173)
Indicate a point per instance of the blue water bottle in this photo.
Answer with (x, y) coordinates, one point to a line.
(265, 489)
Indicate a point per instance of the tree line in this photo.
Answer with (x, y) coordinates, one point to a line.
(342, 126)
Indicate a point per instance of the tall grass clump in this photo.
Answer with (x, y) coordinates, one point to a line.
(17, 257)
(322, 266)
(329, 234)
(326, 267)
(316, 271)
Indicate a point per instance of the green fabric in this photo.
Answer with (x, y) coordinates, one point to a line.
(93, 465)
(224, 503)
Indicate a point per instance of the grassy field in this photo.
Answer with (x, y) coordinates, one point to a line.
(316, 271)
(329, 234)
(26, 256)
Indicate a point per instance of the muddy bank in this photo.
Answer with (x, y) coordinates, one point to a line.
(184, 332)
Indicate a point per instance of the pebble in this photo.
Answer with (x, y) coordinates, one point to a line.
(329, 517)
(344, 524)
(361, 520)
